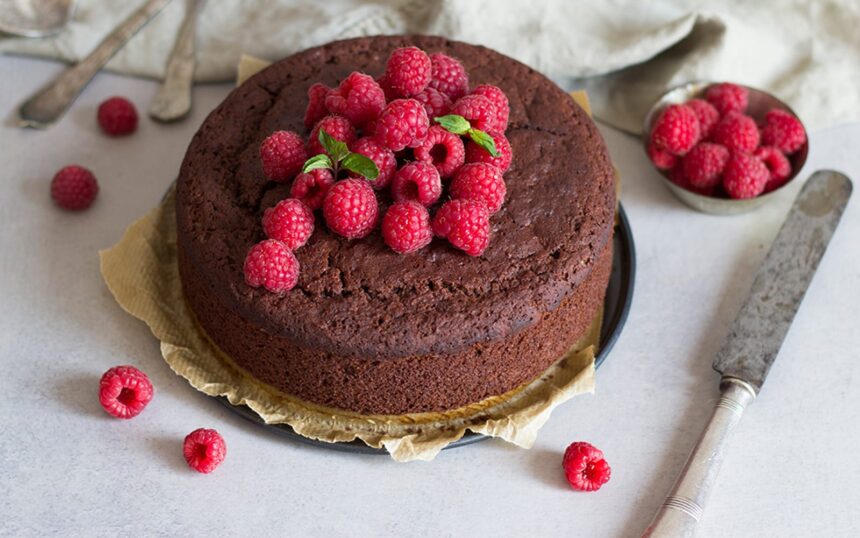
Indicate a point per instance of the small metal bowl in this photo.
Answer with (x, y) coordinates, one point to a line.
(759, 103)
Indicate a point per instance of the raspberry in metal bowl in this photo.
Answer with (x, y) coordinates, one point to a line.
(724, 148)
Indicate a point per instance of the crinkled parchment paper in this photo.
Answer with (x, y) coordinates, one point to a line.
(142, 273)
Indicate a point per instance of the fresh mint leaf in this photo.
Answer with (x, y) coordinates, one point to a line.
(485, 141)
(361, 165)
(334, 147)
(454, 124)
(317, 161)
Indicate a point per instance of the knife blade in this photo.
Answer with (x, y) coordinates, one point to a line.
(781, 282)
(754, 340)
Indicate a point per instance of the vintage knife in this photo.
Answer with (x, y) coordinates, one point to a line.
(754, 341)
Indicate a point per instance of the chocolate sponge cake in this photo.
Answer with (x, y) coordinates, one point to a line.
(366, 329)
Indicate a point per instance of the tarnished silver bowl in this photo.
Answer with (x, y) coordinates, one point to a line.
(759, 103)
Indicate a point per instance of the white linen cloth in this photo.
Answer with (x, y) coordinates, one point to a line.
(625, 52)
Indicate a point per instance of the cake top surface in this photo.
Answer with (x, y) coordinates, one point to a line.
(359, 297)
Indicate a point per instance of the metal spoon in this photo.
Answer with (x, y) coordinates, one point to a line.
(46, 107)
(173, 100)
(35, 18)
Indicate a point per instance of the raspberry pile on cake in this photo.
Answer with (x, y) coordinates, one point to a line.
(712, 146)
(415, 131)
(366, 328)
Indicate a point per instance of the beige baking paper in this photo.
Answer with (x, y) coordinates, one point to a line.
(142, 273)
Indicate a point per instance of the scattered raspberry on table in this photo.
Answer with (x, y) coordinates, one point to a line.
(124, 391)
(74, 188)
(585, 467)
(204, 450)
(117, 116)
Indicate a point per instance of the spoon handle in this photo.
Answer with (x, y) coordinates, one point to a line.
(46, 106)
(173, 100)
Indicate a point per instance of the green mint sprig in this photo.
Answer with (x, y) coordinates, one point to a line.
(338, 156)
(460, 126)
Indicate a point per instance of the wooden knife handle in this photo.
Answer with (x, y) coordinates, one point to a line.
(681, 510)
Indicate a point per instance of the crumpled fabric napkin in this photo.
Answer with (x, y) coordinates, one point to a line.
(624, 52)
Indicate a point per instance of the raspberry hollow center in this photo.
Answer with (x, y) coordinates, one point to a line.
(410, 190)
(127, 396)
(439, 153)
(201, 451)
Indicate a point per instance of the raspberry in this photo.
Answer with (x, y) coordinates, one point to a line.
(204, 450)
(585, 467)
(382, 157)
(466, 225)
(676, 129)
(358, 99)
(316, 110)
(406, 227)
(74, 188)
(408, 71)
(418, 181)
(390, 94)
(744, 176)
(337, 127)
(124, 391)
(402, 123)
(661, 158)
(480, 181)
(442, 149)
(312, 187)
(271, 264)
(704, 164)
(350, 208)
(480, 111)
(727, 97)
(290, 222)
(737, 132)
(282, 154)
(499, 100)
(677, 176)
(783, 130)
(117, 116)
(707, 114)
(435, 102)
(448, 76)
(477, 154)
(777, 164)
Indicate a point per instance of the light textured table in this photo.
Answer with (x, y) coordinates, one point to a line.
(68, 469)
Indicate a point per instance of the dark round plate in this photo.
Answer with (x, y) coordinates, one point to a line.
(616, 307)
